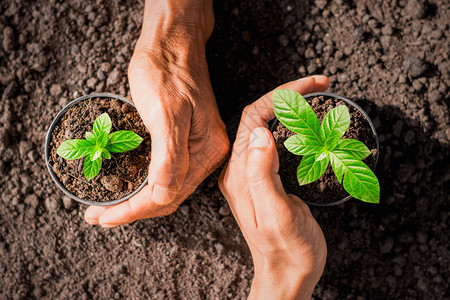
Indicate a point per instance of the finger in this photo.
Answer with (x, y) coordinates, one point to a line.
(264, 183)
(169, 161)
(92, 214)
(263, 107)
(261, 112)
(140, 206)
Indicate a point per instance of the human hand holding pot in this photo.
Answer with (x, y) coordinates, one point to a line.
(171, 88)
(287, 245)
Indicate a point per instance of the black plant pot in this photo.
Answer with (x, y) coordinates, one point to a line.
(349, 102)
(47, 151)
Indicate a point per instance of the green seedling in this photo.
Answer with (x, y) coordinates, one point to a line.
(321, 144)
(98, 144)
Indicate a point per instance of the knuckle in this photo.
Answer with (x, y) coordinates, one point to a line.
(139, 60)
(248, 111)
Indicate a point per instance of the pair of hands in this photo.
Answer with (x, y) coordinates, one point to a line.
(170, 86)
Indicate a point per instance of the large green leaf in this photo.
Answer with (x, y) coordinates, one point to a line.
(359, 181)
(124, 140)
(354, 147)
(75, 149)
(91, 168)
(292, 110)
(102, 123)
(335, 123)
(311, 169)
(301, 145)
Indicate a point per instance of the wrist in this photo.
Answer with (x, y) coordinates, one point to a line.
(177, 20)
(275, 280)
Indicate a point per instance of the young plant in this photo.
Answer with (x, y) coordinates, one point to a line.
(321, 144)
(98, 143)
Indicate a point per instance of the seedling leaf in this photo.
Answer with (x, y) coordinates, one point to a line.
(75, 149)
(301, 145)
(295, 113)
(91, 167)
(102, 140)
(106, 154)
(96, 155)
(321, 143)
(98, 145)
(359, 181)
(310, 169)
(335, 123)
(89, 135)
(102, 123)
(320, 156)
(354, 147)
(331, 143)
(121, 141)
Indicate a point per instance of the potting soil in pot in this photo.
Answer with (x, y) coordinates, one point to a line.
(120, 175)
(326, 189)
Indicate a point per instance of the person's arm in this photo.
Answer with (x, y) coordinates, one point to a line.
(170, 86)
(281, 282)
(177, 20)
(287, 245)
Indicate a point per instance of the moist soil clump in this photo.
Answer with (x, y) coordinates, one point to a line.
(120, 175)
(326, 189)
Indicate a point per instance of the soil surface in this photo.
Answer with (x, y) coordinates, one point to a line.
(391, 57)
(120, 175)
(326, 189)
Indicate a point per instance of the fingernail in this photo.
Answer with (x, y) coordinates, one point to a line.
(259, 138)
(92, 221)
(163, 195)
(108, 225)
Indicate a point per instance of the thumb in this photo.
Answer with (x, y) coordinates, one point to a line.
(262, 178)
(169, 162)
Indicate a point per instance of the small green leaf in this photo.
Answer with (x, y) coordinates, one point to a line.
(89, 136)
(91, 168)
(294, 112)
(102, 139)
(96, 155)
(102, 123)
(354, 147)
(319, 156)
(124, 140)
(75, 149)
(301, 145)
(359, 181)
(310, 169)
(335, 123)
(106, 154)
(331, 143)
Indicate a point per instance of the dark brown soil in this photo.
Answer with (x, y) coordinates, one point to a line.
(391, 57)
(326, 189)
(120, 175)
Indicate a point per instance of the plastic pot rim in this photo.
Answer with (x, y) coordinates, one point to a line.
(372, 127)
(47, 151)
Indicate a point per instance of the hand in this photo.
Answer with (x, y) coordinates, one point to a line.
(170, 86)
(287, 244)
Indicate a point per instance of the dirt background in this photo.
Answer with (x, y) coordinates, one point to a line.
(389, 56)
